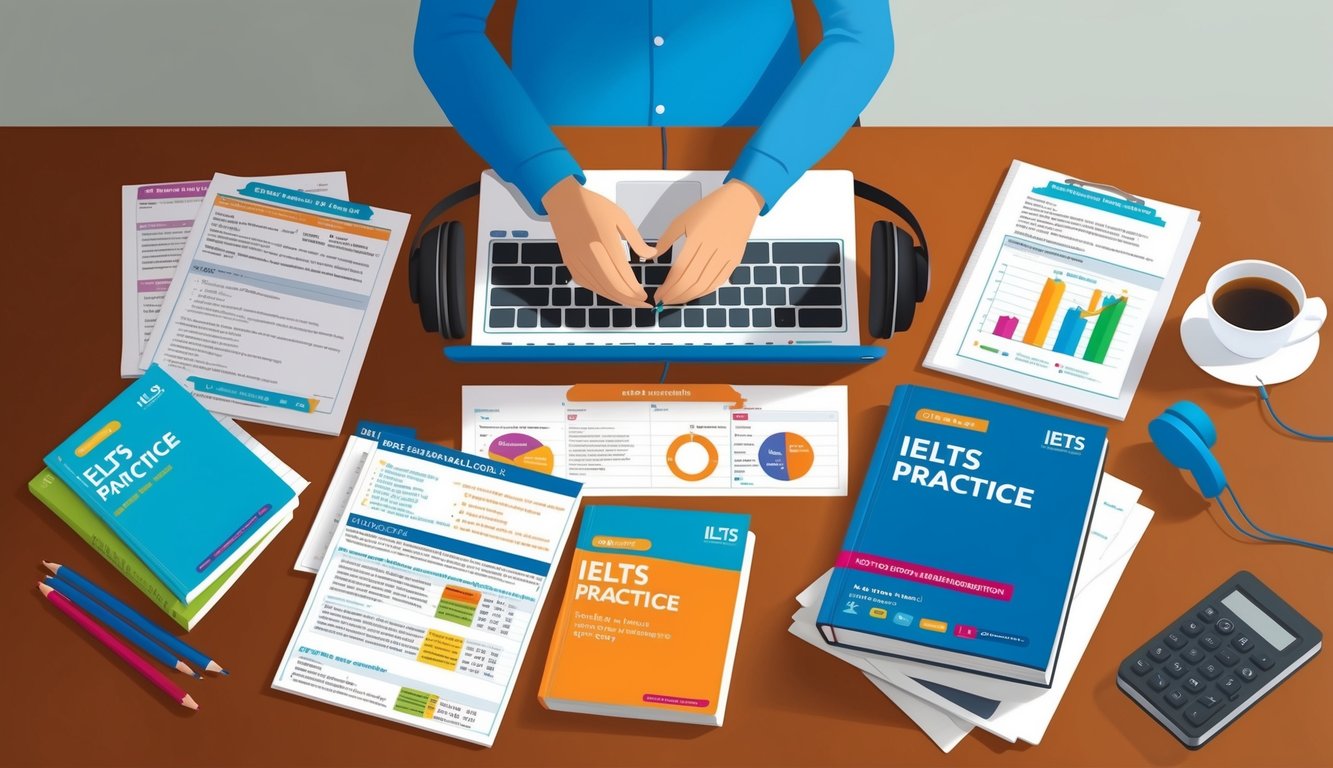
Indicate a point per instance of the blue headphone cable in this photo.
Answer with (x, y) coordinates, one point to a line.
(1263, 395)
(1273, 538)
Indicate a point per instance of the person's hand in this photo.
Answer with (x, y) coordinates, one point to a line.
(588, 228)
(715, 229)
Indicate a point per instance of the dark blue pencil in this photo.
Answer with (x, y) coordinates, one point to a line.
(161, 636)
(119, 625)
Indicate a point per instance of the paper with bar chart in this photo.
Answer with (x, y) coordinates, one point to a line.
(1065, 291)
(667, 439)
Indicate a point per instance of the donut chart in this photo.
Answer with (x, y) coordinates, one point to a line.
(523, 451)
(691, 457)
(786, 456)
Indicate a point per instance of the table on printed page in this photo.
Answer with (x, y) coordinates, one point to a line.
(1263, 193)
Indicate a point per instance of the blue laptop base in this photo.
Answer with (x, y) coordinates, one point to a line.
(644, 353)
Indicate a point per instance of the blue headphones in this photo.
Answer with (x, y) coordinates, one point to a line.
(1185, 436)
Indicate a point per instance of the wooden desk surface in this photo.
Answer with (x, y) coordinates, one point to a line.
(1263, 193)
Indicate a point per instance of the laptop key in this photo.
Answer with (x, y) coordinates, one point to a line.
(789, 275)
(830, 317)
(707, 300)
(741, 276)
(583, 297)
(753, 296)
(670, 318)
(599, 317)
(694, 317)
(729, 296)
(562, 276)
(502, 317)
(817, 297)
(511, 276)
(821, 275)
(654, 275)
(645, 318)
(716, 317)
(622, 317)
(738, 317)
(504, 253)
(550, 318)
(765, 275)
(561, 297)
(576, 318)
(806, 253)
(520, 297)
(543, 276)
(775, 296)
(602, 301)
(784, 317)
(541, 253)
(755, 253)
(761, 317)
(526, 317)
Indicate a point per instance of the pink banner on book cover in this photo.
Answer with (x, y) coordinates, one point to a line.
(924, 574)
(678, 701)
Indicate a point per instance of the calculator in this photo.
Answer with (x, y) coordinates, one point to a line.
(1206, 668)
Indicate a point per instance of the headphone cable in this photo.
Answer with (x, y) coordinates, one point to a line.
(1263, 395)
(1273, 538)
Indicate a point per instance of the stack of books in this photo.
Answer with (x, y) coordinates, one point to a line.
(178, 500)
(985, 545)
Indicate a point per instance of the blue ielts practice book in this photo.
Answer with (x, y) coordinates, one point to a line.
(171, 481)
(966, 540)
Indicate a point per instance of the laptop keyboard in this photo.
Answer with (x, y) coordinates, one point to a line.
(778, 284)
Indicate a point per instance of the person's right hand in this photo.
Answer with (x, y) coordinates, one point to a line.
(588, 228)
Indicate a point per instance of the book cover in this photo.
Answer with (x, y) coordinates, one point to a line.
(966, 538)
(81, 519)
(650, 618)
(179, 489)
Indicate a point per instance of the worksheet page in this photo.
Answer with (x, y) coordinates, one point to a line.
(667, 439)
(156, 220)
(274, 302)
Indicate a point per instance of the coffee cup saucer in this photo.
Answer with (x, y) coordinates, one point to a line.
(1203, 347)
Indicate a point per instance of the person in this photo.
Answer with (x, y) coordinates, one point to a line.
(643, 63)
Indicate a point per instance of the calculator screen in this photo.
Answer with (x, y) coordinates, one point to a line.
(1258, 620)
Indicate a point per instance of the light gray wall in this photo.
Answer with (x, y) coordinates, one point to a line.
(959, 62)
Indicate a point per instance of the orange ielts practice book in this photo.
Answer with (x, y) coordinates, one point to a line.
(650, 620)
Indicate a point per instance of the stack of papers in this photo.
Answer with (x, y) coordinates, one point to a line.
(947, 703)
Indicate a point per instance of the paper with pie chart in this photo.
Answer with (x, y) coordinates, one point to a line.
(668, 439)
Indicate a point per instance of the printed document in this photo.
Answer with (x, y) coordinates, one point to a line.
(431, 589)
(667, 439)
(1065, 291)
(155, 222)
(274, 302)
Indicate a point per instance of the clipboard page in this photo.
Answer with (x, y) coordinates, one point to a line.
(1065, 291)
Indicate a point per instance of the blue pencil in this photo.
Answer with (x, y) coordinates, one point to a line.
(119, 625)
(161, 636)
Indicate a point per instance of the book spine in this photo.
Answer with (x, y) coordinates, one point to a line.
(138, 575)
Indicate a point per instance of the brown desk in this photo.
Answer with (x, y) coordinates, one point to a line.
(1263, 193)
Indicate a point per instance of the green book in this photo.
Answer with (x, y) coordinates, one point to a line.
(67, 505)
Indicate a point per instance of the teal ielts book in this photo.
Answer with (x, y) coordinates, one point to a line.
(966, 540)
(172, 482)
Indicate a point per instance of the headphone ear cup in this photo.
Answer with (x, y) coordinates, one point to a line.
(455, 249)
(922, 273)
(413, 279)
(879, 314)
(1181, 444)
(424, 270)
(906, 263)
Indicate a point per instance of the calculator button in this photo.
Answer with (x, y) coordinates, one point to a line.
(1158, 653)
(1194, 684)
(1247, 674)
(1175, 640)
(1210, 670)
(1198, 714)
(1230, 686)
(1176, 669)
(1158, 681)
(1141, 667)
(1210, 700)
(1262, 660)
(1191, 627)
(1242, 643)
(1176, 698)
(1210, 641)
(1192, 655)
(1224, 626)
(1208, 614)
(1227, 658)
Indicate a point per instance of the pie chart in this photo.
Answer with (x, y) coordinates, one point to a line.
(691, 457)
(786, 456)
(523, 451)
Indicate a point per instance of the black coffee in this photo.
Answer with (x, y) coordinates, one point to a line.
(1255, 304)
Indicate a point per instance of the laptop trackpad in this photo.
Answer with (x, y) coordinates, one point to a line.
(653, 205)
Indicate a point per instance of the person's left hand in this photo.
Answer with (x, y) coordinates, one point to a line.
(715, 229)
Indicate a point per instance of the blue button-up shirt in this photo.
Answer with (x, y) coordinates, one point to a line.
(653, 63)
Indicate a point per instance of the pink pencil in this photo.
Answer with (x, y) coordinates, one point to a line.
(106, 638)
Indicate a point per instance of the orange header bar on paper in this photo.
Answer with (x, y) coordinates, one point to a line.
(299, 217)
(663, 393)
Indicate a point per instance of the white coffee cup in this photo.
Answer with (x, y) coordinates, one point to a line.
(1310, 313)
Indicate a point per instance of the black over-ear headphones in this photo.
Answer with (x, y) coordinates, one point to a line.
(899, 268)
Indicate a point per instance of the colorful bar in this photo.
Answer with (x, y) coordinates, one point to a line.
(1107, 321)
(1044, 313)
(1005, 326)
(1071, 330)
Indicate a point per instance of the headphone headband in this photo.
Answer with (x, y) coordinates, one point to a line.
(873, 194)
(457, 197)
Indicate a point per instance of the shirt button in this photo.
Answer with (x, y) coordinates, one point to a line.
(657, 41)
(660, 109)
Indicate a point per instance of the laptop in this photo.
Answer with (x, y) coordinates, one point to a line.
(792, 298)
